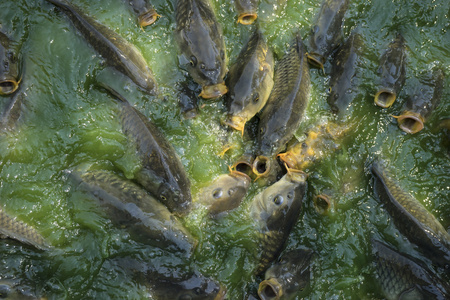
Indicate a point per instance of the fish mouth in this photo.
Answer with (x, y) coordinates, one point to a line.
(244, 165)
(410, 122)
(242, 175)
(261, 166)
(236, 122)
(315, 60)
(270, 289)
(148, 18)
(322, 203)
(288, 159)
(214, 91)
(247, 18)
(385, 98)
(8, 85)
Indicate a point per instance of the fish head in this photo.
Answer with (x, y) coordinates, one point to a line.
(179, 201)
(278, 205)
(206, 65)
(9, 72)
(148, 18)
(196, 287)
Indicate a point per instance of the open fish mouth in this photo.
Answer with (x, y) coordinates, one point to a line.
(148, 18)
(214, 91)
(270, 289)
(8, 85)
(261, 166)
(236, 122)
(315, 60)
(410, 122)
(247, 18)
(385, 98)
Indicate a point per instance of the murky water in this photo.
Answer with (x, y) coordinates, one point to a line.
(68, 122)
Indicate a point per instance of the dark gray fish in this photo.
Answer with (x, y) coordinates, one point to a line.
(392, 72)
(119, 53)
(286, 278)
(402, 277)
(247, 11)
(421, 104)
(129, 206)
(411, 217)
(12, 113)
(344, 79)
(10, 76)
(162, 173)
(284, 110)
(201, 45)
(225, 193)
(250, 82)
(276, 209)
(11, 289)
(188, 101)
(144, 11)
(327, 33)
(167, 283)
(12, 228)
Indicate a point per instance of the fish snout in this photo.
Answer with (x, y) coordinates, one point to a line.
(214, 91)
(8, 85)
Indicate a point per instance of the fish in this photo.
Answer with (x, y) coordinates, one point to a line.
(344, 80)
(188, 102)
(392, 72)
(201, 45)
(117, 51)
(247, 11)
(320, 141)
(326, 34)
(275, 210)
(287, 277)
(403, 277)
(12, 289)
(168, 283)
(144, 11)
(131, 207)
(10, 65)
(15, 229)
(162, 174)
(250, 81)
(410, 217)
(285, 107)
(244, 164)
(419, 106)
(12, 114)
(225, 193)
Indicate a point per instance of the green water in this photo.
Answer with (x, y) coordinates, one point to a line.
(68, 122)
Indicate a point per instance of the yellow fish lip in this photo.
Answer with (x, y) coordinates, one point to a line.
(410, 122)
(261, 166)
(270, 289)
(247, 18)
(385, 98)
(316, 60)
(148, 18)
(8, 85)
(236, 122)
(213, 91)
(289, 159)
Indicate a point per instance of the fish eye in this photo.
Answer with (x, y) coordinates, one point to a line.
(217, 193)
(290, 195)
(256, 99)
(278, 199)
(164, 198)
(262, 130)
(193, 61)
(330, 89)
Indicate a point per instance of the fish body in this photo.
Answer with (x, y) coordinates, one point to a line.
(162, 173)
(344, 79)
(392, 72)
(420, 105)
(225, 193)
(326, 34)
(129, 206)
(9, 65)
(319, 142)
(276, 209)
(250, 81)
(404, 278)
(119, 53)
(201, 45)
(12, 228)
(144, 11)
(411, 218)
(247, 11)
(167, 283)
(287, 277)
